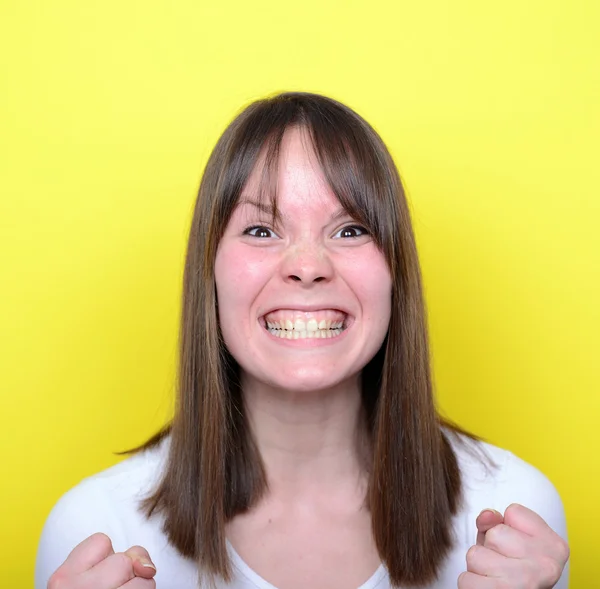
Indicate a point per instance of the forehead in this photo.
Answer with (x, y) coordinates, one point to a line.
(295, 181)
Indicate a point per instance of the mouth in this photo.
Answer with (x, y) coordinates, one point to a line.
(296, 324)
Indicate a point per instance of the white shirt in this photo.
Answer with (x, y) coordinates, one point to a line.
(108, 502)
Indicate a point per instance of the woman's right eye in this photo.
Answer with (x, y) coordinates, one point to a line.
(259, 231)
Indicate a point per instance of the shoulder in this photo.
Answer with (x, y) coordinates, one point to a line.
(115, 489)
(105, 502)
(495, 477)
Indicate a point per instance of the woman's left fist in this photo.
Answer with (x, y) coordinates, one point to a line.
(515, 551)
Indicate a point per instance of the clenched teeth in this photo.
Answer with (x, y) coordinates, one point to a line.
(291, 324)
(294, 334)
(312, 325)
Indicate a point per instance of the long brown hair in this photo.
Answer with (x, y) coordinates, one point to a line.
(214, 470)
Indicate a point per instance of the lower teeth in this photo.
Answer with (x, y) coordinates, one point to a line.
(291, 334)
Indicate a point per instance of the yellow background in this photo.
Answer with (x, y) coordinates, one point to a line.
(108, 112)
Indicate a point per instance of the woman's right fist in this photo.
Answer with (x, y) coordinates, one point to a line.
(93, 564)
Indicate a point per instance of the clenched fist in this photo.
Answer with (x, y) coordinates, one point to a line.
(515, 551)
(93, 564)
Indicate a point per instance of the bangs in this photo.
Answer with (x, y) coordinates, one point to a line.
(353, 159)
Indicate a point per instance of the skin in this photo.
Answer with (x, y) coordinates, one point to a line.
(303, 403)
(513, 551)
(93, 564)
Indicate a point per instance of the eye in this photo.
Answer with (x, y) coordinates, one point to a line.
(351, 231)
(259, 231)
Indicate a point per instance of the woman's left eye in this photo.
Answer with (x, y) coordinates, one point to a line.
(351, 231)
(259, 231)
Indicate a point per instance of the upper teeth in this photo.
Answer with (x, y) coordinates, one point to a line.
(300, 325)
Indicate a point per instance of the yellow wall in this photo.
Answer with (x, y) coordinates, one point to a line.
(108, 112)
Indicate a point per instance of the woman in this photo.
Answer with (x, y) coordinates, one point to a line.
(306, 450)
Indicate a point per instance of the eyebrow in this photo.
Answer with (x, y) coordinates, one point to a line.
(269, 210)
(264, 208)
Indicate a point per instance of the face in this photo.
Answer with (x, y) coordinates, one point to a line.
(303, 305)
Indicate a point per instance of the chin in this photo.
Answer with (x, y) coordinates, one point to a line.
(311, 382)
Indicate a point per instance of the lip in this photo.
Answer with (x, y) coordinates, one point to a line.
(306, 309)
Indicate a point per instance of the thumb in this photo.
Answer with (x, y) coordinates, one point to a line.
(142, 564)
(486, 520)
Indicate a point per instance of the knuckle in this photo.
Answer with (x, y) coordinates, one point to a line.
(492, 536)
(492, 533)
(551, 570)
(512, 512)
(57, 580)
(137, 551)
(123, 561)
(102, 541)
(121, 567)
(471, 555)
(564, 552)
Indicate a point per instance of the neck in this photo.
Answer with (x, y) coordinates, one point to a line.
(307, 438)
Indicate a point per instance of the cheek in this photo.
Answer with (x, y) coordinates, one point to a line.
(371, 282)
(229, 269)
(239, 277)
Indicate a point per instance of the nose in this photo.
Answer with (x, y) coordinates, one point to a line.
(307, 265)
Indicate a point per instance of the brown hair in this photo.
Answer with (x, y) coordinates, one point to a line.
(214, 470)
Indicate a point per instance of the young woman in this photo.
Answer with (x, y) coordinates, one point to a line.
(306, 451)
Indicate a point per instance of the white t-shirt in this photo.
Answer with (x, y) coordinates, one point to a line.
(108, 502)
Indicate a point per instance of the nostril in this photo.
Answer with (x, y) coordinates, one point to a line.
(298, 279)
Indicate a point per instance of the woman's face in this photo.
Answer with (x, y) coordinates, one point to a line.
(306, 304)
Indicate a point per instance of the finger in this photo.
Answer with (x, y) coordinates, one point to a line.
(509, 542)
(139, 583)
(485, 521)
(521, 518)
(489, 563)
(142, 564)
(88, 553)
(468, 580)
(111, 573)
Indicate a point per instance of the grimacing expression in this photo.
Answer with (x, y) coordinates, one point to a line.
(306, 304)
